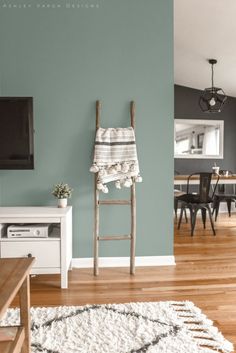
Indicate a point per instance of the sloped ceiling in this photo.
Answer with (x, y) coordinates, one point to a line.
(205, 29)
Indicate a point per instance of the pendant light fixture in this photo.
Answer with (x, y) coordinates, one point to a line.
(213, 98)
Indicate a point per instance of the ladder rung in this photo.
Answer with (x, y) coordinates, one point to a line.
(115, 237)
(115, 202)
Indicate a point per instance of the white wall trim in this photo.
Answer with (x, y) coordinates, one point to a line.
(124, 261)
(224, 209)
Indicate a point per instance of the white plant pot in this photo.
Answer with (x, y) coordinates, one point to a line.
(62, 203)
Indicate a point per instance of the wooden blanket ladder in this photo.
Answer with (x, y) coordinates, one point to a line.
(131, 202)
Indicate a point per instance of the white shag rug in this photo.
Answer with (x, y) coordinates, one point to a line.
(159, 327)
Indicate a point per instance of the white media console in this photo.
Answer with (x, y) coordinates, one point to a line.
(53, 254)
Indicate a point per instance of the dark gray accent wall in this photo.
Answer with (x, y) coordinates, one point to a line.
(186, 107)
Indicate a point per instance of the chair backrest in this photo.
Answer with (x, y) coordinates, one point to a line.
(204, 187)
(222, 187)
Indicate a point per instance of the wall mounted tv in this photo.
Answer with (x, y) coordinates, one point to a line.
(16, 133)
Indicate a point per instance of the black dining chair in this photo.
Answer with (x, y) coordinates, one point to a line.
(177, 193)
(222, 195)
(200, 200)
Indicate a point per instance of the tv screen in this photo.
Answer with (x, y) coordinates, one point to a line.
(16, 133)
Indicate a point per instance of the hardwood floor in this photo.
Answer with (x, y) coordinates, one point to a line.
(209, 270)
(205, 273)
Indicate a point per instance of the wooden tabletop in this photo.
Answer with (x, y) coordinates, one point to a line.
(12, 274)
(182, 179)
(195, 177)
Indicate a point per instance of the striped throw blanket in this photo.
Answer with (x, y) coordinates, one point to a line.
(115, 158)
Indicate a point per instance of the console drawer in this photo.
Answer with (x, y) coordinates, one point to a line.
(46, 253)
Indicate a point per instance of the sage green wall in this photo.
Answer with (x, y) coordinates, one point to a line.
(68, 58)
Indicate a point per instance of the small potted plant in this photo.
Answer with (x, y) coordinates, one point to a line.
(62, 192)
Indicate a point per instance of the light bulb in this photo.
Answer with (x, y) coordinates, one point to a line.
(212, 102)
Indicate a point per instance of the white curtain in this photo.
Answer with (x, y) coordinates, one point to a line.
(211, 141)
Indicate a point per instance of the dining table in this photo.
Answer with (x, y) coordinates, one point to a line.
(223, 179)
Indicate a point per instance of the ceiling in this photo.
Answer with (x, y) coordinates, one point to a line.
(205, 29)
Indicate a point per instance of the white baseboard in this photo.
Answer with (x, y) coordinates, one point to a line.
(223, 207)
(124, 261)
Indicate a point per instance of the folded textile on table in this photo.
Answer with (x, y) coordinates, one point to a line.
(115, 158)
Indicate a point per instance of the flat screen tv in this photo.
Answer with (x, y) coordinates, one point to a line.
(16, 133)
